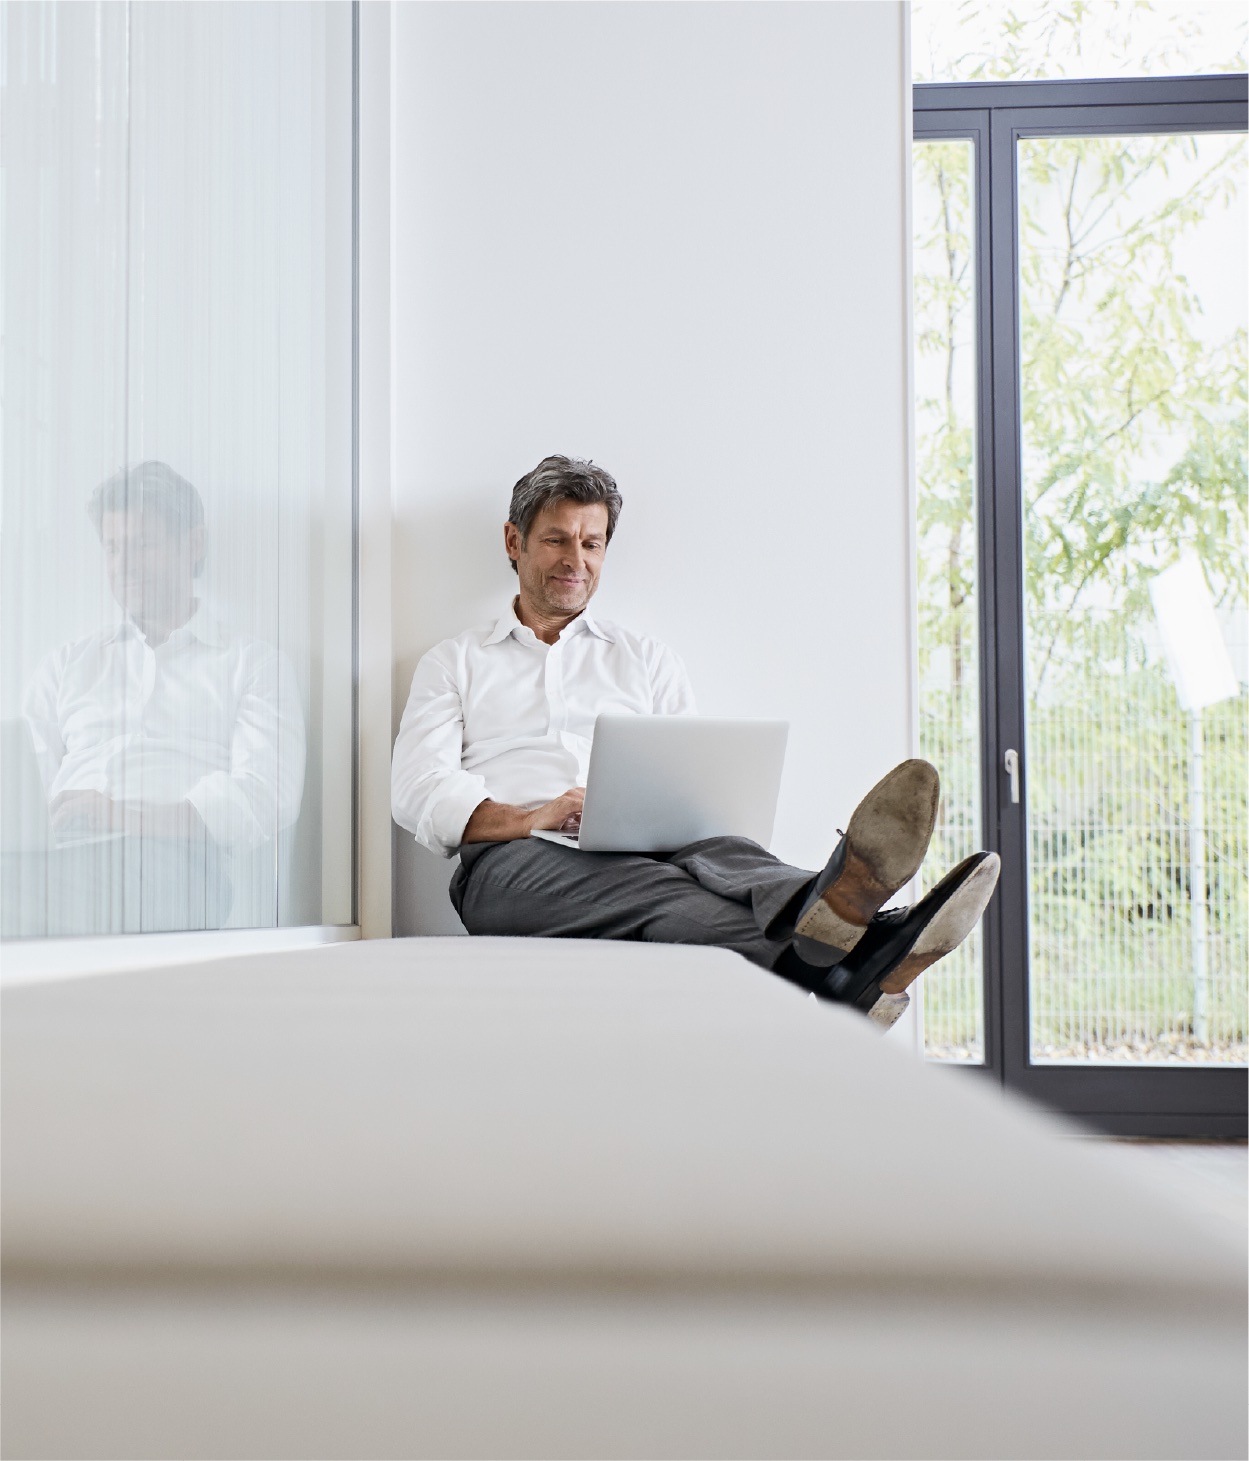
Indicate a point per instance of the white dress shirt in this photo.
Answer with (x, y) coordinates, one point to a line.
(208, 717)
(496, 713)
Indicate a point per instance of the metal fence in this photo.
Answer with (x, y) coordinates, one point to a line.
(1138, 888)
(1123, 967)
(953, 989)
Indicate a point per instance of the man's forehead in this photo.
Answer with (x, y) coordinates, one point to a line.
(584, 516)
(126, 521)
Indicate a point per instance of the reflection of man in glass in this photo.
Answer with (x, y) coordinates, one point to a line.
(167, 744)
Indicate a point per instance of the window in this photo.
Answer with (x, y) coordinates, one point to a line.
(1040, 40)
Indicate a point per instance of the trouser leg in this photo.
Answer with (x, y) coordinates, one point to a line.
(723, 892)
(740, 870)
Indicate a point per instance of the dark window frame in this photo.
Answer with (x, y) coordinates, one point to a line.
(1140, 1100)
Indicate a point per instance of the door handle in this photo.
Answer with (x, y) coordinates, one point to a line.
(1011, 761)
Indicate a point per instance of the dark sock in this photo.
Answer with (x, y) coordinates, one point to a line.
(807, 976)
(828, 982)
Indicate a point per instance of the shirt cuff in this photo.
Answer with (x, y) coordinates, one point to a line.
(225, 811)
(447, 812)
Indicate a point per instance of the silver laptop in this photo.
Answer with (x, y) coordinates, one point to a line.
(658, 782)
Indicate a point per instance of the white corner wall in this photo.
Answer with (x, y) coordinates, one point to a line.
(671, 237)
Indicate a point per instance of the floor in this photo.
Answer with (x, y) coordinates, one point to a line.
(1211, 1178)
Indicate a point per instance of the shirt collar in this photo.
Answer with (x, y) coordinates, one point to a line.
(201, 625)
(504, 625)
(205, 626)
(592, 626)
(584, 623)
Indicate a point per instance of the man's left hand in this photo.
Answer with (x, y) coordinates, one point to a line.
(92, 814)
(85, 814)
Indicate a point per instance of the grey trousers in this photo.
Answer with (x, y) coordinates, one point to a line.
(724, 891)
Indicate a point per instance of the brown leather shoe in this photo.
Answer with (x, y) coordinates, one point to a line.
(881, 851)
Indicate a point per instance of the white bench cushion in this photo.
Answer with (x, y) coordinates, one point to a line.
(469, 1120)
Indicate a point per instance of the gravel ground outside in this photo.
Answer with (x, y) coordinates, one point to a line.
(1162, 1050)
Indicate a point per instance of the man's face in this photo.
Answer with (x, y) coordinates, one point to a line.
(560, 561)
(151, 566)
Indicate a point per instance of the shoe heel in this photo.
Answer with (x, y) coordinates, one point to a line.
(888, 1010)
(839, 918)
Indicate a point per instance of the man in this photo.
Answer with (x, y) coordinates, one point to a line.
(495, 744)
(167, 744)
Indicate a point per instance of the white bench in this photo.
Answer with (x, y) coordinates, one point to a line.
(495, 1197)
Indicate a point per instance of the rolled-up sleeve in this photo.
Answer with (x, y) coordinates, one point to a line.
(39, 710)
(670, 683)
(261, 793)
(431, 795)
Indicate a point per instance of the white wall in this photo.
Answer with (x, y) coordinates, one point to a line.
(671, 237)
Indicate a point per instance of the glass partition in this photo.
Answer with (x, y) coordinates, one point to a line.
(177, 507)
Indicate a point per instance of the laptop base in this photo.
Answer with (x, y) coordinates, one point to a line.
(562, 838)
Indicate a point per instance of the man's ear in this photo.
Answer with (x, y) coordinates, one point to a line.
(511, 540)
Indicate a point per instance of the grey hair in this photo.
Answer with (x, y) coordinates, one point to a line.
(151, 486)
(562, 479)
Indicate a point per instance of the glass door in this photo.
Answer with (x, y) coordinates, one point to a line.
(1132, 352)
(1122, 715)
(1081, 429)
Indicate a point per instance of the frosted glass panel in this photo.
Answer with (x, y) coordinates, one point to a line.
(177, 546)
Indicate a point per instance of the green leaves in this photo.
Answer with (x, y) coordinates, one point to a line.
(1133, 400)
(1133, 403)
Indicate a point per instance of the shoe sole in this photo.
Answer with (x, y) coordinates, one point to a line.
(951, 925)
(886, 841)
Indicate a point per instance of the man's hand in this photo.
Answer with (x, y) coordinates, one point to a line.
(85, 814)
(92, 814)
(561, 815)
(498, 822)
